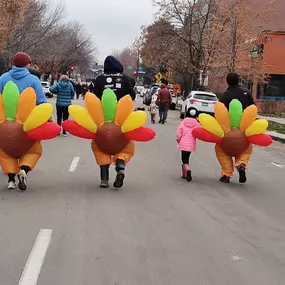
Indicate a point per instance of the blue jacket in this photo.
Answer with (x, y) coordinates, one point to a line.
(23, 79)
(64, 91)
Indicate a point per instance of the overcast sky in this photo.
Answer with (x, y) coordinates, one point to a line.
(114, 24)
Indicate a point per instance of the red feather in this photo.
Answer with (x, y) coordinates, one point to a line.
(142, 134)
(203, 135)
(261, 139)
(76, 130)
(46, 131)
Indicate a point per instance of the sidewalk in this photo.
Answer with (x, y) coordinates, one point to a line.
(275, 136)
(273, 119)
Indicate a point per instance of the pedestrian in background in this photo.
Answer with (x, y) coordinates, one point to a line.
(163, 101)
(65, 93)
(186, 141)
(153, 111)
(78, 89)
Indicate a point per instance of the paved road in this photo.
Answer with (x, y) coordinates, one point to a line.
(157, 230)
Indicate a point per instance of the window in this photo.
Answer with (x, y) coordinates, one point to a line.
(273, 89)
(206, 97)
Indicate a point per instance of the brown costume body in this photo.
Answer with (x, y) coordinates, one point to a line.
(16, 149)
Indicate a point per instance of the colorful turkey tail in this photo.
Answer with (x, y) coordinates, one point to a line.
(9, 102)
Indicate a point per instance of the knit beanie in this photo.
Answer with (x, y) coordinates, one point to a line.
(21, 59)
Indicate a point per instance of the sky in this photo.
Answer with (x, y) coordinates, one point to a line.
(113, 24)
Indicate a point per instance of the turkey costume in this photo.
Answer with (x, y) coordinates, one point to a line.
(234, 132)
(113, 127)
(22, 126)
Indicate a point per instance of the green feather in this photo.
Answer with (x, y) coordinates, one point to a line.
(235, 113)
(109, 105)
(11, 97)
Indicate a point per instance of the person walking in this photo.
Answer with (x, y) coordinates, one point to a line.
(186, 141)
(163, 101)
(65, 93)
(235, 91)
(114, 79)
(78, 90)
(21, 76)
(153, 111)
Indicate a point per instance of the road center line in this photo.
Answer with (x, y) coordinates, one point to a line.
(35, 261)
(74, 164)
(277, 165)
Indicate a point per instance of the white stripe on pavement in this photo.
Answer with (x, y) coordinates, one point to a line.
(35, 261)
(277, 165)
(74, 164)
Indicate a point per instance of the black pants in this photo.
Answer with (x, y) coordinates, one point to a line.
(62, 114)
(185, 156)
(163, 109)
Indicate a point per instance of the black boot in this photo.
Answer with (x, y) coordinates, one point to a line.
(104, 171)
(242, 174)
(120, 168)
(225, 179)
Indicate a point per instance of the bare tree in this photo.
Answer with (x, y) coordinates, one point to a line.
(11, 14)
(55, 46)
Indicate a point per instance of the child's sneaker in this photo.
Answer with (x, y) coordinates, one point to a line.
(22, 176)
(12, 185)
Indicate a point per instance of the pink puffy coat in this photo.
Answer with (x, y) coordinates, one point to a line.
(184, 137)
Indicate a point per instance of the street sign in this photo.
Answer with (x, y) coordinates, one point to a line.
(158, 76)
(130, 67)
(141, 71)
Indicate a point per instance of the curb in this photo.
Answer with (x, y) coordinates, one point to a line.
(278, 139)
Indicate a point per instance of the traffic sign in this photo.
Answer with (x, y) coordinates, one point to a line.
(158, 76)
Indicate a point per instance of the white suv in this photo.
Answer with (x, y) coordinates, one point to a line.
(202, 102)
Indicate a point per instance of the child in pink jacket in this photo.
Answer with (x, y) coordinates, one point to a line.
(186, 141)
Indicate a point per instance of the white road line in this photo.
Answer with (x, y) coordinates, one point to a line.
(35, 261)
(74, 164)
(277, 165)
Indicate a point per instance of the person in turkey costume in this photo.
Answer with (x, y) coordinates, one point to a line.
(113, 127)
(234, 132)
(23, 125)
(23, 121)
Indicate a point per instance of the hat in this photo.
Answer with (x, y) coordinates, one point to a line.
(21, 59)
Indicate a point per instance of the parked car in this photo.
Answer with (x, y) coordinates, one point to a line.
(202, 102)
(46, 86)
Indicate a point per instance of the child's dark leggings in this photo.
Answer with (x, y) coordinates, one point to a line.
(185, 156)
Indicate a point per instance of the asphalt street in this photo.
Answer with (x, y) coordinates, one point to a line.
(157, 230)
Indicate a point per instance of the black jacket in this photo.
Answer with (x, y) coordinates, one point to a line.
(237, 92)
(114, 79)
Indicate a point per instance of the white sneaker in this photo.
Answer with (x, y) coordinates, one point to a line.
(22, 176)
(12, 185)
